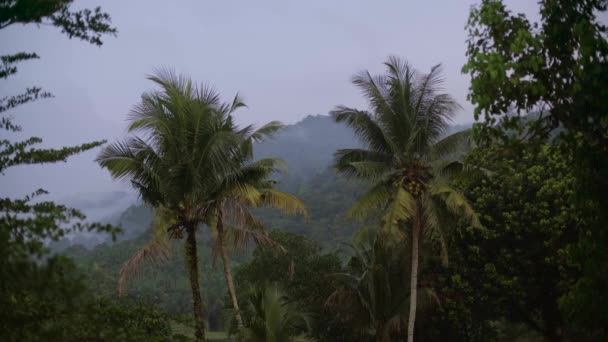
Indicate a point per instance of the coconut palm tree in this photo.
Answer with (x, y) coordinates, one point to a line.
(228, 196)
(273, 317)
(227, 214)
(182, 139)
(371, 297)
(402, 158)
(249, 186)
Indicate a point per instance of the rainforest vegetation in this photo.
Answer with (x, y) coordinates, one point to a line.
(383, 222)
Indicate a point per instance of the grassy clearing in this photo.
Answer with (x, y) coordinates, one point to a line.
(183, 329)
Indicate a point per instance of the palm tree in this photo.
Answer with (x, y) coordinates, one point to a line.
(249, 186)
(402, 157)
(273, 317)
(244, 184)
(186, 141)
(371, 297)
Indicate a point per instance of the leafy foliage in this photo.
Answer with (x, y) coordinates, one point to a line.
(305, 274)
(86, 24)
(530, 215)
(505, 280)
(370, 297)
(273, 317)
(165, 285)
(37, 290)
(557, 66)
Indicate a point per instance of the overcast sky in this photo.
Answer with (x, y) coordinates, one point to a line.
(288, 59)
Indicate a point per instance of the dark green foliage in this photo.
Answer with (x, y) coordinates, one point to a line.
(166, 286)
(272, 316)
(40, 294)
(32, 295)
(8, 68)
(303, 270)
(88, 25)
(517, 267)
(51, 303)
(34, 287)
(463, 312)
(110, 320)
(327, 197)
(370, 297)
(557, 66)
(22, 153)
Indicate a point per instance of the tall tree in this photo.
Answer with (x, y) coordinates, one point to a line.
(36, 287)
(556, 66)
(223, 194)
(402, 158)
(370, 297)
(226, 211)
(249, 187)
(187, 141)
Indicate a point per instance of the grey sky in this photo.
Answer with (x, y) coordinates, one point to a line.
(287, 58)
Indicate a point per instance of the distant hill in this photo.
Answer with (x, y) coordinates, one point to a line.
(105, 207)
(307, 147)
(100, 206)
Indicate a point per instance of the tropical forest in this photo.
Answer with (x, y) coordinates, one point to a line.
(371, 187)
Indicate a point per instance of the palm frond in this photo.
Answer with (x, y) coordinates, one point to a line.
(133, 159)
(284, 201)
(369, 170)
(365, 128)
(373, 202)
(374, 89)
(455, 201)
(237, 103)
(236, 215)
(156, 251)
(400, 209)
(274, 317)
(348, 162)
(435, 118)
(256, 174)
(458, 142)
(240, 238)
(428, 86)
(434, 218)
(245, 193)
(267, 131)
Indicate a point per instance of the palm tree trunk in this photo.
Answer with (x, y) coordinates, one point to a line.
(414, 276)
(228, 273)
(192, 265)
(380, 332)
